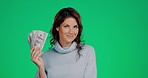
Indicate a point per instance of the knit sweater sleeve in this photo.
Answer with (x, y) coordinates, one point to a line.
(91, 71)
(45, 62)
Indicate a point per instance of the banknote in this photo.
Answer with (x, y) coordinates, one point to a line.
(37, 38)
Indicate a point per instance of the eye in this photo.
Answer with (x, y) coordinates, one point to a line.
(66, 26)
(76, 26)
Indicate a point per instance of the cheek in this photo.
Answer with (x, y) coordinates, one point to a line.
(63, 30)
(76, 32)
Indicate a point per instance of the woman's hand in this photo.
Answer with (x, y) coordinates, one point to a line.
(36, 57)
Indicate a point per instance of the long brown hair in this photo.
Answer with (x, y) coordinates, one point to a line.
(59, 19)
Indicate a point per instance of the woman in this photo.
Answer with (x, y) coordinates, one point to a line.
(68, 58)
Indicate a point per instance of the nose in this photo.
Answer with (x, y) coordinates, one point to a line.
(70, 30)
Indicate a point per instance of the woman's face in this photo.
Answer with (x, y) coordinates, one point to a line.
(68, 30)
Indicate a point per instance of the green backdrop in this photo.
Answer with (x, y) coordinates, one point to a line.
(117, 29)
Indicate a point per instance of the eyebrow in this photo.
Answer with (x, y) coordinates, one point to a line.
(69, 25)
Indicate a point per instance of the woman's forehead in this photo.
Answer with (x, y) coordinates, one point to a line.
(70, 20)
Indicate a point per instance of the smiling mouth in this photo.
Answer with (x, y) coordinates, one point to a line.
(70, 36)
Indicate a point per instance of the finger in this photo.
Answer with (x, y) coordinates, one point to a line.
(39, 55)
(36, 53)
(32, 49)
(32, 54)
(33, 57)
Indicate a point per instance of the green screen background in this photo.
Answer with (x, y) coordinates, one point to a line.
(117, 29)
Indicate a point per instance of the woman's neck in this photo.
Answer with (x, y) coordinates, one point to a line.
(64, 44)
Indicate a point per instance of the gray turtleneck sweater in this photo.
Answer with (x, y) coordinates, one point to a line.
(66, 63)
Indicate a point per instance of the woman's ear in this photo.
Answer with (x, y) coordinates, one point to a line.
(57, 28)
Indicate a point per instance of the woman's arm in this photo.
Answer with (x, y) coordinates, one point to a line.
(91, 70)
(36, 58)
(42, 73)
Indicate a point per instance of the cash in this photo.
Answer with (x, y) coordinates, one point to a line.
(37, 38)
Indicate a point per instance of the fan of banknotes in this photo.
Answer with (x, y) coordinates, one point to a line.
(37, 38)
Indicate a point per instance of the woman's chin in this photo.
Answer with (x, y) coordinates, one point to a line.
(69, 41)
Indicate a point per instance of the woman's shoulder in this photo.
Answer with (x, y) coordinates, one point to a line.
(87, 49)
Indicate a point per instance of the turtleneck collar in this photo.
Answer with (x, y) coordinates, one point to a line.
(59, 49)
